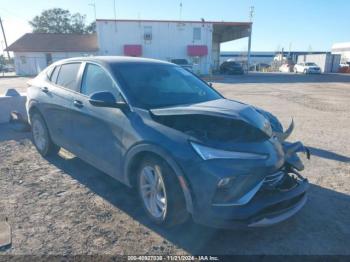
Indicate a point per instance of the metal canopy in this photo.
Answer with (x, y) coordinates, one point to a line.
(224, 32)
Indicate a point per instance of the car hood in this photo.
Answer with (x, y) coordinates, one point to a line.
(220, 108)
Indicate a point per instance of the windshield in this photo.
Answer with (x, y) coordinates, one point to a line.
(310, 64)
(150, 86)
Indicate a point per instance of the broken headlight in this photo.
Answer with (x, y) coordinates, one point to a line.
(207, 153)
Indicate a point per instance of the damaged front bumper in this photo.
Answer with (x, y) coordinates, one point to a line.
(274, 199)
(267, 207)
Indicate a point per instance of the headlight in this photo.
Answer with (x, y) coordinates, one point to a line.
(207, 153)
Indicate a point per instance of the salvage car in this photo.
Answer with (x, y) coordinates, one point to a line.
(156, 127)
(231, 67)
(183, 63)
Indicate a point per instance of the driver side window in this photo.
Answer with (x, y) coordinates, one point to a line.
(96, 79)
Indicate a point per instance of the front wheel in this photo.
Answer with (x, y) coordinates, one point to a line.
(41, 136)
(160, 192)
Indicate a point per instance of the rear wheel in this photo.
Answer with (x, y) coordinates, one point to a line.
(160, 192)
(41, 136)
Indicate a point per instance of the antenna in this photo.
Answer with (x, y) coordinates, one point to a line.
(180, 14)
(251, 13)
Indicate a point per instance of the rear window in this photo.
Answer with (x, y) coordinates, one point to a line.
(68, 76)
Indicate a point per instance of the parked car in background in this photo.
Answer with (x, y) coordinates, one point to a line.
(286, 68)
(307, 68)
(158, 128)
(7, 68)
(231, 67)
(183, 63)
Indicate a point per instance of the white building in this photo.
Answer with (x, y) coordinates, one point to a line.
(196, 41)
(35, 51)
(342, 49)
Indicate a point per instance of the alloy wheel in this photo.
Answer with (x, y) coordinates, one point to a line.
(153, 192)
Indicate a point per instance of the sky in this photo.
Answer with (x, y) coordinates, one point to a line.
(299, 25)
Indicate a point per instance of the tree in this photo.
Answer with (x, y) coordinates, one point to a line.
(59, 20)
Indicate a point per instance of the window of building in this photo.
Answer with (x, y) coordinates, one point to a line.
(68, 75)
(23, 59)
(48, 57)
(96, 79)
(197, 33)
(147, 33)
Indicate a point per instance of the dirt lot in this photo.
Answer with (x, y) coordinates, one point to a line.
(64, 206)
(18, 83)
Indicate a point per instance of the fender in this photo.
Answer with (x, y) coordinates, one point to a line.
(30, 104)
(139, 148)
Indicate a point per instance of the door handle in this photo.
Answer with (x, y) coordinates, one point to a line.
(78, 103)
(44, 89)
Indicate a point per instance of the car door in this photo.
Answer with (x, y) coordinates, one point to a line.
(98, 131)
(57, 106)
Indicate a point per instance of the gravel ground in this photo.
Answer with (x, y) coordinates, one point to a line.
(62, 205)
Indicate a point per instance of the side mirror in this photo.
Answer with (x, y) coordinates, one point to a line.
(106, 99)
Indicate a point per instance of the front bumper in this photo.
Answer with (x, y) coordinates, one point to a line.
(266, 208)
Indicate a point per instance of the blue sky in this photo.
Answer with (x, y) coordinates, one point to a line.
(303, 25)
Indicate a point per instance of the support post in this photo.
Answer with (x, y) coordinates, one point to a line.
(249, 47)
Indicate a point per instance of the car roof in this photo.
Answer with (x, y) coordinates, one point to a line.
(107, 60)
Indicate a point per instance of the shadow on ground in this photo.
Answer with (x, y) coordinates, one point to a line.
(264, 78)
(328, 154)
(320, 228)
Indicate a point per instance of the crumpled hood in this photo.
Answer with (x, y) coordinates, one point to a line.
(220, 108)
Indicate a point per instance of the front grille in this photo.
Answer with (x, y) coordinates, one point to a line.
(273, 179)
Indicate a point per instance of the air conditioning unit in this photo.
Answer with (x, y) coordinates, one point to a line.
(147, 36)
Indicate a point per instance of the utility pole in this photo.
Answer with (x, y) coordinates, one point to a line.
(251, 14)
(3, 33)
(115, 10)
(180, 11)
(115, 16)
(94, 7)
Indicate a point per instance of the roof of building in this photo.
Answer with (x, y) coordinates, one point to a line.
(175, 21)
(48, 42)
(341, 47)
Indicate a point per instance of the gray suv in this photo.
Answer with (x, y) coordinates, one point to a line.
(155, 126)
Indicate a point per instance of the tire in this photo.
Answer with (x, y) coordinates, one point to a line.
(41, 137)
(169, 206)
(305, 71)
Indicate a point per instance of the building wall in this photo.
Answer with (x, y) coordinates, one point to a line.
(32, 63)
(342, 49)
(327, 62)
(169, 40)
